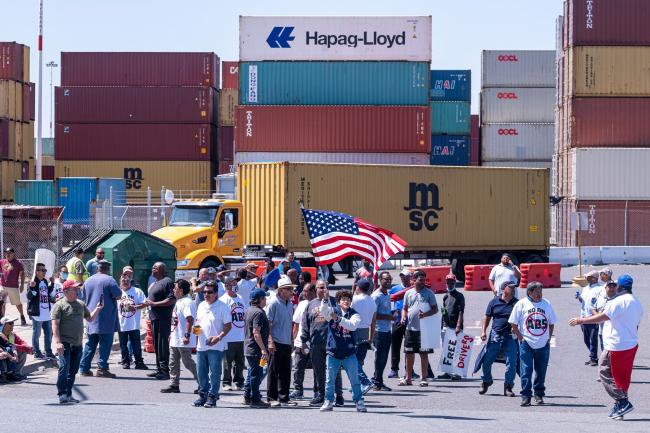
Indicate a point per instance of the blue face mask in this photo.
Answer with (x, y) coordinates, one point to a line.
(64, 275)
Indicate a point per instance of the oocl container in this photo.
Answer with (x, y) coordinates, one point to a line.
(35, 192)
(451, 118)
(512, 68)
(450, 150)
(517, 141)
(75, 195)
(451, 85)
(518, 105)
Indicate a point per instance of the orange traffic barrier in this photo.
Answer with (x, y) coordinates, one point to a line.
(477, 276)
(546, 273)
(313, 272)
(435, 277)
(148, 341)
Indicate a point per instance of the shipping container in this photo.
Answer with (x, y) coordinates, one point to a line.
(76, 194)
(334, 83)
(475, 135)
(48, 146)
(47, 172)
(229, 75)
(518, 105)
(451, 118)
(450, 150)
(451, 85)
(509, 68)
(343, 157)
(335, 38)
(178, 176)
(139, 69)
(48, 160)
(226, 143)
(431, 208)
(112, 188)
(25, 150)
(365, 129)
(11, 139)
(226, 167)
(5, 138)
(26, 64)
(134, 142)
(227, 107)
(517, 141)
(12, 61)
(10, 171)
(29, 102)
(11, 100)
(35, 192)
(609, 71)
(518, 164)
(136, 105)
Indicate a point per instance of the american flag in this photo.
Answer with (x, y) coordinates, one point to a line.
(334, 235)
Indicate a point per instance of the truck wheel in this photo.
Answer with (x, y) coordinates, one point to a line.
(210, 263)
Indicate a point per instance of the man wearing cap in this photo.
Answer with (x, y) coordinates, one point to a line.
(606, 276)
(301, 359)
(382, 338)
(365, 306)
(453, 311)
(587, 299)
(289, 263)
(621, 317)
(129, 317)
(606, 294)
(256, 337)
(13, 352)
(12, 282)
(197, 285)
(398, 328)
(93, 263)
(504, 271)
(233, 360)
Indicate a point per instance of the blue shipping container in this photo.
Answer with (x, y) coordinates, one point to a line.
(451, 85)
(119, 190)
(452, 118)
(334, 83)
(35, 192)
(450, 149)
(75, 194)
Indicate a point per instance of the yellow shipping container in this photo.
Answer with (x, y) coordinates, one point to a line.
(27, 148)
(431, 208)
(48, 160)
(228, 99)
(10, 171)
(8, 99)
(609, 71)
(25, 64)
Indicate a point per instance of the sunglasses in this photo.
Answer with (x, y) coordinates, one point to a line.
(208, 292)
(41, 270)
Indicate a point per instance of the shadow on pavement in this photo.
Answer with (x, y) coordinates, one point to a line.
(449, 417)
(570, 405)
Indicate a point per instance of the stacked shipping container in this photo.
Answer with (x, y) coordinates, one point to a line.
(602, 143)
(227, 106)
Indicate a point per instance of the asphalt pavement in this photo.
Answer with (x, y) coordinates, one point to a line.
(575, 401)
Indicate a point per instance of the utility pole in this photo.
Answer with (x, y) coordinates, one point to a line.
(52, 65)
(39, 142)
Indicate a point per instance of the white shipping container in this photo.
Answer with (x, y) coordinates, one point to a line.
(518, 164)
(335, 38)
(610, 173)
(507, 68)
(518, 105)
(321, 157)
(517, 142)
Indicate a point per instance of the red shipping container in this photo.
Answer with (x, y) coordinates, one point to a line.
(136, 105)
(225, 167)
(4, 138)
(608, 22)
(139, 69)
(29, 102)
(132, 142)
(229, 75)
(47, 172)
(475, 141)
(398, 129)
(226, 143)
(11, 61)
(609, 122)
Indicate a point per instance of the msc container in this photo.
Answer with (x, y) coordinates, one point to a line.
(451, 85)
(14, 61)
(29, 102)
(35, 192)
(518, 105)
(75, 195)
(450, 150)
(11, 100)
(335, 38)
(508, 68)
(609, 71)
(136, 105)
(334, 83)
(139, 69)
(227, 107)
(448, 197)
(226, 143)
(135, 142)
(116, 186)
(343, 157)
(229, 75)
(365, 129)
(451, 118)
(517, 141)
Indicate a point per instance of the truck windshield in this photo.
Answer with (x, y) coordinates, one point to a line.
(193, 216)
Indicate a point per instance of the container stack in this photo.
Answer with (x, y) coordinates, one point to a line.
(150, 118)
(227, 105)
(17, 109)
(450, 102)
(603, 141)
(334, 89)
(517, 108)
(47, 153)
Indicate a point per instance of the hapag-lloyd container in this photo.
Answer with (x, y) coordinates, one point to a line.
(334, 83)
(452, 118)
(342, 128)
(139, 69)
(518, 105)
(136, 105)
(229, 75)
(450, 150)
(14, 62)
(451, 85)
(226, 143)
(135, 142)
(339, 158)
(511, 68)
(517, 141)
(335, 38)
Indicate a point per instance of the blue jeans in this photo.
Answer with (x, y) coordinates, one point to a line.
(253, 379)
(130, 343)
(590, 336)
(68, 368)
(382, 343)
(496, 344)
(208, 370)
(351, 367)
(537, 360)
(46, 326)
(362, 351)
(105, 342)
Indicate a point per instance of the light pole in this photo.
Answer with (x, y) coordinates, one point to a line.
(51, 65)
(39, 142)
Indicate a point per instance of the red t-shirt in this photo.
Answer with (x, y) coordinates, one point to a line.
(10, 272)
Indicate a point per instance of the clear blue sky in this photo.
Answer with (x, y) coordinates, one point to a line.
(461, 28)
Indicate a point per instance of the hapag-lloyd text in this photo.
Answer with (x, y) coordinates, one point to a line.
(354, 40)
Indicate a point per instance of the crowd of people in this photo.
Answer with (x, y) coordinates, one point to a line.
(247, 324)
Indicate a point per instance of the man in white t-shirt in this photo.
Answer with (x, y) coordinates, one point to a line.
(182, 338)
(504, 271)
(40, 297)
(588, 298)
(233, 360)
(533, 320)
(300, 357)
(130, 316)
(247, 282)
(621, 317)
(607, 293)
(363, 304)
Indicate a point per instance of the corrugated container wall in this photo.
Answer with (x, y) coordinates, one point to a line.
(229, 75)
(338, 158)
(451, 118)
(450, 150)
(448, 196)
(14, 64)
(11, 100)
(451, 85)
(518, 68)
(366, 129)
(518, 105)
(226, 143)
(517, 164)
(334, 83)
(227, 107)
(517, 141)
(475, 134)
(6, 141)
(48, 146)
(115, 186)
(75, 194)
(139, 69)
(29, 102)
(47, 172)
(35, 192)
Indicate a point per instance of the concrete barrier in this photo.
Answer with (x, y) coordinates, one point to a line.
(625, 255)
(568, 256)
(598, 256)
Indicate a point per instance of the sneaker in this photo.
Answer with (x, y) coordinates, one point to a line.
(71, 399)
(104, 373)
(141, 366)
(539, 399)
(445, 376)
(316, 401)
(339, 401)
(383, 387)
(199, 402)
(455, 378)
(23, 322)
(210, 402)
(593, 363)
(612, 413)
(624, 407)
(246, 401)
(327, 406)
(64, 399)
(50, 356)
(196, 391)
(87, 373)
(296, 395)
(274, 403)
(161, 376)
(507, 391)
(39, 356)
(361, 407)
(393, 374)
(484, 387)
(126, 366)
(365, 389)
(237, 387)
(289, 403)
(259, 405)
(588, 362)
(525, 401)
(226, 388)
(153, 373)
(171, 389)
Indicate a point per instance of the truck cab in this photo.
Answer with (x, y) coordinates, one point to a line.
(205, 233)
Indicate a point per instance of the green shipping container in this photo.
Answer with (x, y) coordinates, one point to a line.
(334, 83)
(451, 118)
(35, 192)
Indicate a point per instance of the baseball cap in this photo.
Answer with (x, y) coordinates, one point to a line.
(611, 283)
(258, 294)
(406, 272)
(592, 274)
(126, 269)
(6, 320)
(508, 284)
(285, 281)
(9, 250)
(606, 271)
(364, 284)
(70, 284)
(450, 277)
(212, 270)
(625, 281)
(229, 280)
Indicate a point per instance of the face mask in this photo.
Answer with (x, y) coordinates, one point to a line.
(64, 275)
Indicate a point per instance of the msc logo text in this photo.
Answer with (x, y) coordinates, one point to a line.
(424, 205)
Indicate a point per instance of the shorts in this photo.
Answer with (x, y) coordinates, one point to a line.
(412, 343)
(12, 293)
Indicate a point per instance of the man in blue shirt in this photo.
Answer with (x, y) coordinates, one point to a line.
(398, 329)
(92, 264)
(293, 264)
(382, 340)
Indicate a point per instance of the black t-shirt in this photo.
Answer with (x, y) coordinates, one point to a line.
(453, 303)
(159, 291)
(500, 311)
(255, 318)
